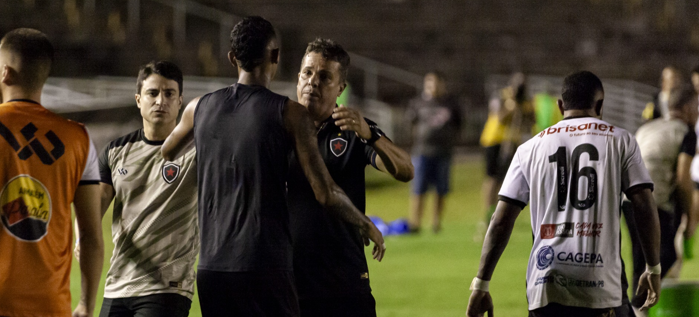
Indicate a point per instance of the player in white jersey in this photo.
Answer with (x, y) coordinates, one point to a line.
(573, 174)
(155, 229)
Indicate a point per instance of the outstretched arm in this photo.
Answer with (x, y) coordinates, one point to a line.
(496, 239)
(391, 159)
(87, 216)
(181, 139)
(298, 123)
(645, 214)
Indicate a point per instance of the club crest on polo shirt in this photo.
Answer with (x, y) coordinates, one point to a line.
(338, 146)
(170, 172)
(25, 208)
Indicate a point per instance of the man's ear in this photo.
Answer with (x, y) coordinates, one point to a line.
(342, 88)
(8, 75)
(231, 58)
(138, 101)
(274, 56)
(598, 107)
(560, 106)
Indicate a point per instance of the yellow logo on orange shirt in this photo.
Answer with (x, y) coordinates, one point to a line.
(26, 208)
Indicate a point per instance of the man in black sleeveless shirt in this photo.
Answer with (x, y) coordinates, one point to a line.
(244, 135)
(332, 278)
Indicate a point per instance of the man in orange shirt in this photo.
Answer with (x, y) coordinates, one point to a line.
(46, 163)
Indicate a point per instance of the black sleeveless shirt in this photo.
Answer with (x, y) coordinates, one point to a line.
(242, 161)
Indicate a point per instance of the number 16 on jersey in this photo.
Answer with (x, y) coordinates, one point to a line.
(590, 174)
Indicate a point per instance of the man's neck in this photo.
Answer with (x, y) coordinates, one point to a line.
(155, 132)
(579, 113)
(17, 93)
(318, 120)
(678, 115)
(257, 77)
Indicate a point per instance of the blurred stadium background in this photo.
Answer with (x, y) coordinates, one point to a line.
(476, 44)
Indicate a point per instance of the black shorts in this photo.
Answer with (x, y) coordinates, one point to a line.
(269, 294)
(558, 310)
(354, 306)
(156, 305)
(495, 165)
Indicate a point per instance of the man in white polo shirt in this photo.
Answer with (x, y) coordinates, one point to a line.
(573, 175)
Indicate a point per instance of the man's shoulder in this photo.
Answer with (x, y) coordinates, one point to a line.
(132, 137)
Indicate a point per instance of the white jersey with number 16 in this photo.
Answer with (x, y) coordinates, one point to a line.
(573, 175)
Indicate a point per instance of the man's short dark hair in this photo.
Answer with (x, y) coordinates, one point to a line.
(331, 51)
(249, 40)
(680, 98)
(35, 52)
(163, 68)
(579, 90)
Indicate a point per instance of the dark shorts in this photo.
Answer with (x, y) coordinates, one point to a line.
(269, 294)
(156, 305)
(495, 165)
(431, 170)
(558, 310)
(362, 306)
(669, 224)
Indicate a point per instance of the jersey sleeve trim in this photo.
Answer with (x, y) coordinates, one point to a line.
(515, 202)
(88, 182)
(639, 186)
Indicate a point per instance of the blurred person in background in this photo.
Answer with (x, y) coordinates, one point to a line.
(574, 268)
(332, 277)
(244, 135)
(435, 117)
(510, 120)
(667, 147)
(545, 109)
(47, 163)
(154, 223)
(693, 216)
(670, 80)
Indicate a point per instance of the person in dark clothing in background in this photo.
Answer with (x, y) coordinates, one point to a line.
(436, 120)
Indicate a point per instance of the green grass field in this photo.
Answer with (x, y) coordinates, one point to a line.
(429, 274)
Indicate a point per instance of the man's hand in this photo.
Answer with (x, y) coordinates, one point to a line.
(352, 120)
(81, 311)
(479, 303)
(648, 289)
(370, 232)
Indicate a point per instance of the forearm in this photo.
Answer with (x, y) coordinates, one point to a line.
(174, 146)
(684, 197)
(395, 161)
(91, 261)
(645, 215)
(496, 238)
(340, 205)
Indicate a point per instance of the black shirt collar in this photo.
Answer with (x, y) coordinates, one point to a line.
(24, 100)
(578, 117)
(149, 142)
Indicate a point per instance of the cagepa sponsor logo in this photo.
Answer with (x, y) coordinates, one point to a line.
(562, 230)
(544, 257)
(568, 282)
(580, 259)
